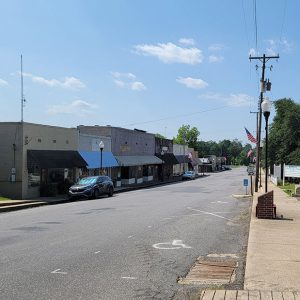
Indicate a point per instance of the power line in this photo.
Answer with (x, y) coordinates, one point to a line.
(283, 19)
(255, 23)
(177, 116)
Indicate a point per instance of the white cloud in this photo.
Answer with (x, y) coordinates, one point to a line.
(78, 107)
(234, 100)
(124, 75)
(127, 80)
(3, 82)
(287, 46)
(68, 82)
(252, 52)
(194, 83)
(171, 53)
(215, 58)
(137, 86)
(216, 47)
(275, 46)
(119, 83)
(187, 42)
(73, 83)
(238, 100)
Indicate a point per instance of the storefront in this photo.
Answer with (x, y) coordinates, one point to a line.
(53, 171)
(101, 163)
(138, 169)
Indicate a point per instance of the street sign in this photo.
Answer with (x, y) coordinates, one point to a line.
(245, 182)
(250, 170)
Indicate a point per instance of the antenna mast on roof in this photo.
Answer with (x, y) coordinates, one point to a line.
(22, 94)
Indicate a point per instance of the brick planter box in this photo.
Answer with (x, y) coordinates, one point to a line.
(265, 208)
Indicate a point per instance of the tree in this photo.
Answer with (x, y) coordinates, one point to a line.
(160, 136)
(284, 136)
(187, 136)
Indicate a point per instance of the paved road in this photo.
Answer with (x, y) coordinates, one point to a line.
(114, 248)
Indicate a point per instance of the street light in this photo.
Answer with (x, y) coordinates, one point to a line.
(266, 109)
(101, 146)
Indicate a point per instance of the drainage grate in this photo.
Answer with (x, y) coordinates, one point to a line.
(210, 272)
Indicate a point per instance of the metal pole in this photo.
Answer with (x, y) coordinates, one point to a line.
(101, 161)
(22, 95)
(266, 154)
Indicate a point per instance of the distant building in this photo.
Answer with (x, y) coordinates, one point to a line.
(134, 151)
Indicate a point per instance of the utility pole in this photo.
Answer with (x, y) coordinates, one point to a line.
(263, 59)
(22, 94)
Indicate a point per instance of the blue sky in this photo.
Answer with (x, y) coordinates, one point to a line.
(153, 65)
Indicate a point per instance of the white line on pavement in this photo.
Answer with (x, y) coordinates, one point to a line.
(208, 213)
(57, 271)
(128, 277)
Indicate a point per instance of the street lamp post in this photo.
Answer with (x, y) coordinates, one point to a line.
(101, 146)
(266, 109)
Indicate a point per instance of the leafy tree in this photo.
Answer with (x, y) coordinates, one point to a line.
(284, 135)
(187, 136)
(160, 136)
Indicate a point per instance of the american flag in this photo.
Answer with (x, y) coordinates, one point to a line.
(249, 152)
(250, 137)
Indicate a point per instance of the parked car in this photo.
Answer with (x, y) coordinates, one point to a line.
(92, 187)
(188, 175)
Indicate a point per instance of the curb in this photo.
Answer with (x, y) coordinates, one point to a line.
(7, 208)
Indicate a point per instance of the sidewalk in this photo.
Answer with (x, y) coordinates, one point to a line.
(273, 256)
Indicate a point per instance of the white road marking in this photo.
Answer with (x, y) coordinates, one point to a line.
(223, 255)
(149, 226)
(97, 252)
(176, 244)
(128, 277)
(219, 202)
(208, 213)
(167, 218)
(57, 271)
(130, 236)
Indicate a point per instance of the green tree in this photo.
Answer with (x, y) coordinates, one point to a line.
(160, 136)
(187, 136)
(284, 135)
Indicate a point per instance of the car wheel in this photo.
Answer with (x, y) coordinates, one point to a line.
(110, 191)
(96, 193)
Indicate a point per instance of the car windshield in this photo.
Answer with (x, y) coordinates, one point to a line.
(189, 172)
(87, 180)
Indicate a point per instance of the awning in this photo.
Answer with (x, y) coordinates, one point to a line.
(128, 161)
(194, 161)
(93, 159)
(168, 158)
(182, 159)
(54, 159)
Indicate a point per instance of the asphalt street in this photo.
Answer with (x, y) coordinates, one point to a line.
(134, 245)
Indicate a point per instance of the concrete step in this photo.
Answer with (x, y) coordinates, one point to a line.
(248, 295)
(20, 206)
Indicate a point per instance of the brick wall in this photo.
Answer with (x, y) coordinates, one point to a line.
(265, 206)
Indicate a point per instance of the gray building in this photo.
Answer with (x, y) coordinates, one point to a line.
(37, 159)
(133, 149)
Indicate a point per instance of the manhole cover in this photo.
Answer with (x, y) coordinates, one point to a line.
(210, 272)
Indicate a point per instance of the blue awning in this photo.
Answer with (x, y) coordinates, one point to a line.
(93, 159)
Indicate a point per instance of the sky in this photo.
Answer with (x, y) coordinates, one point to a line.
(152, 65)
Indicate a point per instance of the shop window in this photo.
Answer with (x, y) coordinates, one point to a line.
(39, 140)
(34, 177)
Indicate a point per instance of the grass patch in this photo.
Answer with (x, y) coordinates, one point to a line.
(288, 188)
(4, 199)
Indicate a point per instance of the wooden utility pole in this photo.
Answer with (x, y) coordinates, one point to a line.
(263, 59)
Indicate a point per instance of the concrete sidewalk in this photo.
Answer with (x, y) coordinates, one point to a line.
(273, 256)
